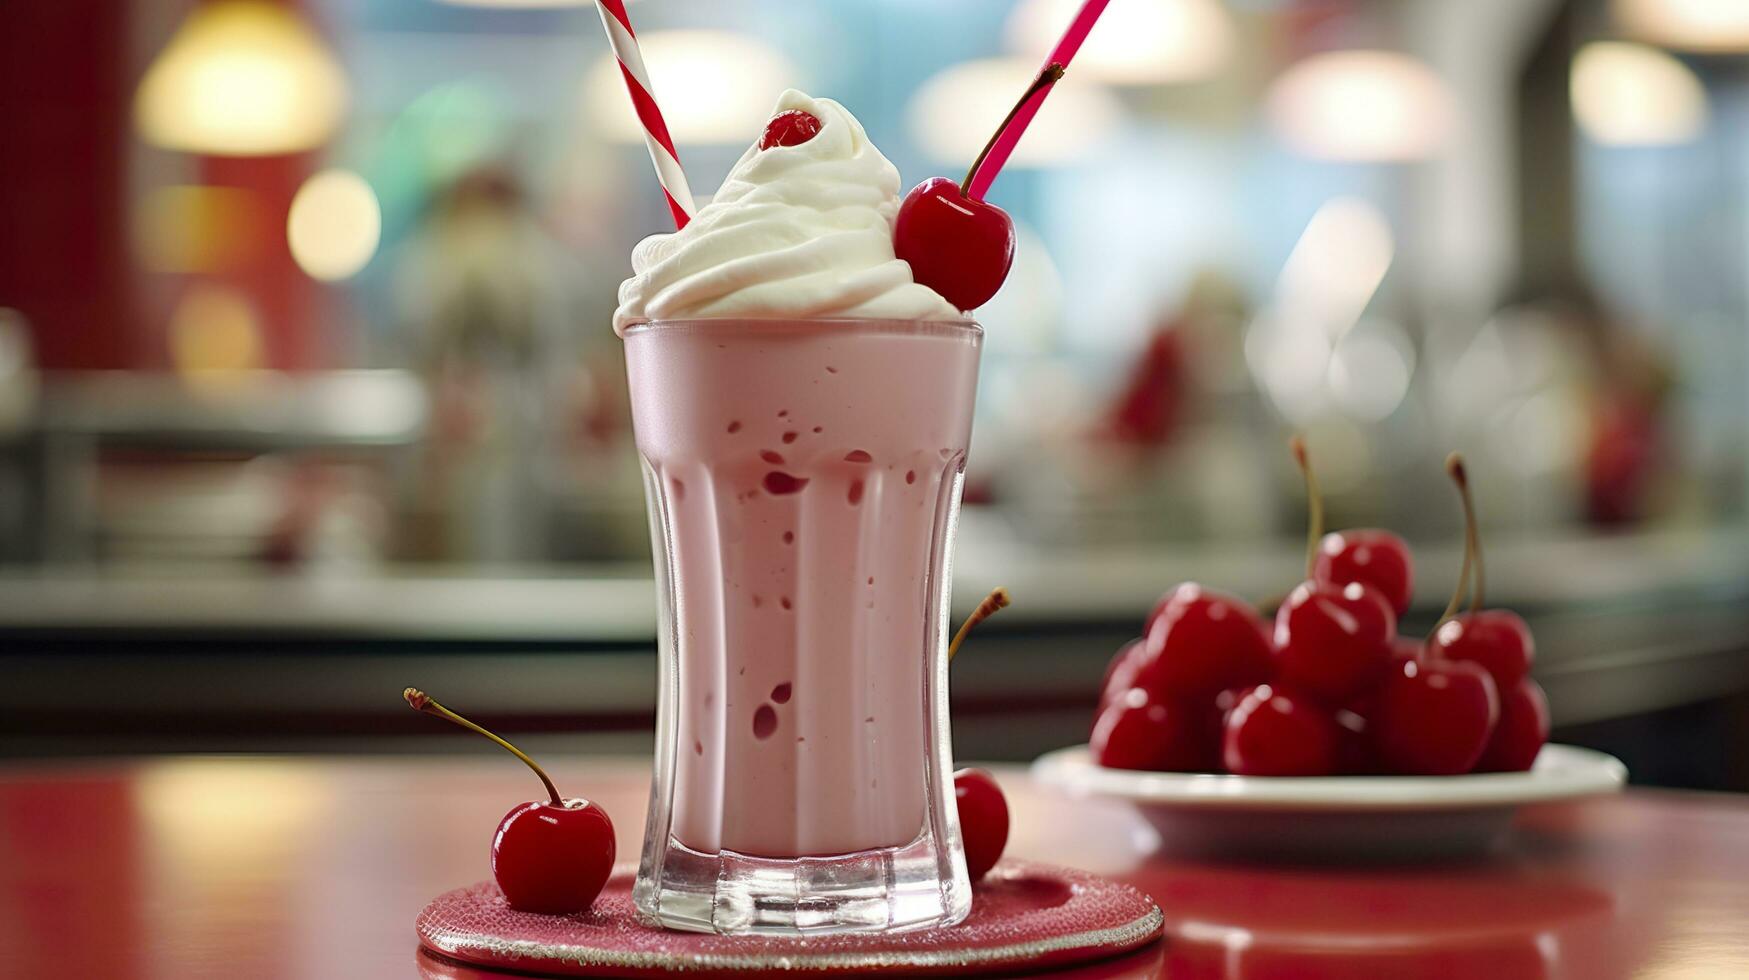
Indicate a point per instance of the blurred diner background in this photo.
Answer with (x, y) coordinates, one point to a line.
(308, 389)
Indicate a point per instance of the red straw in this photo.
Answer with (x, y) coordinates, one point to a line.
(1005, 143)
(656, 138)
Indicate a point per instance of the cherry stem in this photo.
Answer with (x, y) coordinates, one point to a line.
(420, 701)
(1314, 503)
(1046, 78)
(1454, 467)
(995, 601)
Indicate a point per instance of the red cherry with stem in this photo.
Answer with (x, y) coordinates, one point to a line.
(789, 128)
(1274, 731)
(1201, 642)
(1522, 731)
(1331, 641)
(553, 857)
(1435, 717)
(983, 812)
(958, 245)
(1120, 674)
(1142, 731)
(1372, 557)
(549, 856)
(983, 819)
(1495, 638)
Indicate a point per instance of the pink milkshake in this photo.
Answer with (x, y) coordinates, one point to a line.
(803, 411)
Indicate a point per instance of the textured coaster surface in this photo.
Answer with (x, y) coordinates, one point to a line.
(1024, 916)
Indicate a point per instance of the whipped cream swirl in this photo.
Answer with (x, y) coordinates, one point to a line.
(795, 231)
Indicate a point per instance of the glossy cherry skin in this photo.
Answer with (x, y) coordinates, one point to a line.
(983, 819)
(1141, 731)
(1354, 749)
(789, 128)
(1274, 731)
(1495, 638)
(958, 246)
(553, 859)
(1372, 557)
(1521, 732)
(1434, 717)
(1201, 642)
(1120, 673)
(1331, 641)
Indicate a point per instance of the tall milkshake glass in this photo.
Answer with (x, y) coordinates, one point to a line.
(803, 480)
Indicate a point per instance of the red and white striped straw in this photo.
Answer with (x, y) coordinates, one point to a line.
(631, 65)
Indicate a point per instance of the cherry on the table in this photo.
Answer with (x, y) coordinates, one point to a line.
(983, 819)
(551, 856)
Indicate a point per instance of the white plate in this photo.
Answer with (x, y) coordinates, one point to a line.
(1390, 817)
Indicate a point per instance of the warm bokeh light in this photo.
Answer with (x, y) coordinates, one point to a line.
(1370, 370)
(1361, 106)
(1694, 25)
(241, 78)
(1633, 95)
(953, 114)
(1313, 351)
(1338, 263)
(1137, 42)
(226, 827)
(215, 334)
(183, 228)
(715, 87)
(334, 225)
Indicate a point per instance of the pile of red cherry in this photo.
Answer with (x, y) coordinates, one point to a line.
(1332, 689)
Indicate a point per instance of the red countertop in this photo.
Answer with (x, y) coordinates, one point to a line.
(302, 867)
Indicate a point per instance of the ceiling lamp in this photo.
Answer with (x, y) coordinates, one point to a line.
(1633, 95)
(241, 78)
(1693, 25)
(716, 87)
(1070, 125)
(1137, 42)
(1361, 106)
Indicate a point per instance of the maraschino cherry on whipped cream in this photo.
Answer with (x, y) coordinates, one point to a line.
(798, 229)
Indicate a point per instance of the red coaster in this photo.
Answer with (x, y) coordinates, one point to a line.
(1024, 915)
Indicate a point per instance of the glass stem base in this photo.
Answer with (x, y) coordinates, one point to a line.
(882, 890)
